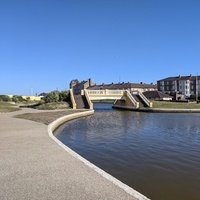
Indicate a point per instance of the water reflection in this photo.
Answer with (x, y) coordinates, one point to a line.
(157, 154)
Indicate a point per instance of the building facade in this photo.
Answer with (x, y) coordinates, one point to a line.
(77, 86)
(132, 87)
(185, 85)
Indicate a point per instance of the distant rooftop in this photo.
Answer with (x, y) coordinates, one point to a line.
(180, 78)
(122, 85)
(156, 95)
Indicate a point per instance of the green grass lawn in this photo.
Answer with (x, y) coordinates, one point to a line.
(7, 107)
(163, 104)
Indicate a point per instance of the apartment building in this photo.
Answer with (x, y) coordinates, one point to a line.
(186, 85)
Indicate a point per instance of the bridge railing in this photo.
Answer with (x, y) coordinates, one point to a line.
(149, 103)
(105, 92)
(72, 99)
(88, 99)
(135, 103)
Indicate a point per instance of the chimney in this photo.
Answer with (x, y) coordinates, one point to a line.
(90, 82)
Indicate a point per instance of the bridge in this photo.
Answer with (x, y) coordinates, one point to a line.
(105, 94)
(123, 98)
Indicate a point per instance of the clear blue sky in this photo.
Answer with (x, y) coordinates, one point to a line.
(46, 43)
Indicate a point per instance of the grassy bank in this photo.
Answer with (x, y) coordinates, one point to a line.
(7, 107)
(49, 106)
(45, 117)
(175, 105)
(53, 106)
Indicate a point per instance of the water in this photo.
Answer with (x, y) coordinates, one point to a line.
(156, 154)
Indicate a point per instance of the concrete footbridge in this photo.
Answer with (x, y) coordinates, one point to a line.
(123, 98)
(105, 94)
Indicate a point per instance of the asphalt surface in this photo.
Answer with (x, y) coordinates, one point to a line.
(33, 166)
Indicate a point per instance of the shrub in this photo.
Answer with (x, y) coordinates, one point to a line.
(64, 96)
(5, 98)
(17, 98)
(28, 98)
(52, 97)
(56, 96)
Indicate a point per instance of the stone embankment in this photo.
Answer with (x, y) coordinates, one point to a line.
(33, 166)
(157, 110)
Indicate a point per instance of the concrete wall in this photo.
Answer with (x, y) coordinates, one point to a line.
(73, 103)
(125, 102)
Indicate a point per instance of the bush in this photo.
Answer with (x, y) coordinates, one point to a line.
(52, 97)
(5, 98)
(17, 98)
(56, 96)
(28, 99)
(64, 96)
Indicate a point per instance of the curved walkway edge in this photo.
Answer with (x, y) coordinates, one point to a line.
(157, 110)
(52, 127)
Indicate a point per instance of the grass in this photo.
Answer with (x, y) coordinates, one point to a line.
(175, 105)
(52, 106)
(7, 107)
(45, 117)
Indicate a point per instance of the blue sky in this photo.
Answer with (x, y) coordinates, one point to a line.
(46, 43)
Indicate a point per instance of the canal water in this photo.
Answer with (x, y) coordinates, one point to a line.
(155, 153)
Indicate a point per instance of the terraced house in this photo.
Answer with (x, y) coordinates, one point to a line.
(141, 87)
(186, 85)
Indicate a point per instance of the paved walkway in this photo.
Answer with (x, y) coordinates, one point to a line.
(33, 166)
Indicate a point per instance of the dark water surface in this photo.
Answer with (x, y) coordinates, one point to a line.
(157, 154)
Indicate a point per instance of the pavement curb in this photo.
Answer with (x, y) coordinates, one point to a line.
(55, 124)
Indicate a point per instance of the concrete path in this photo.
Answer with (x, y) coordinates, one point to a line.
(33, 166)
